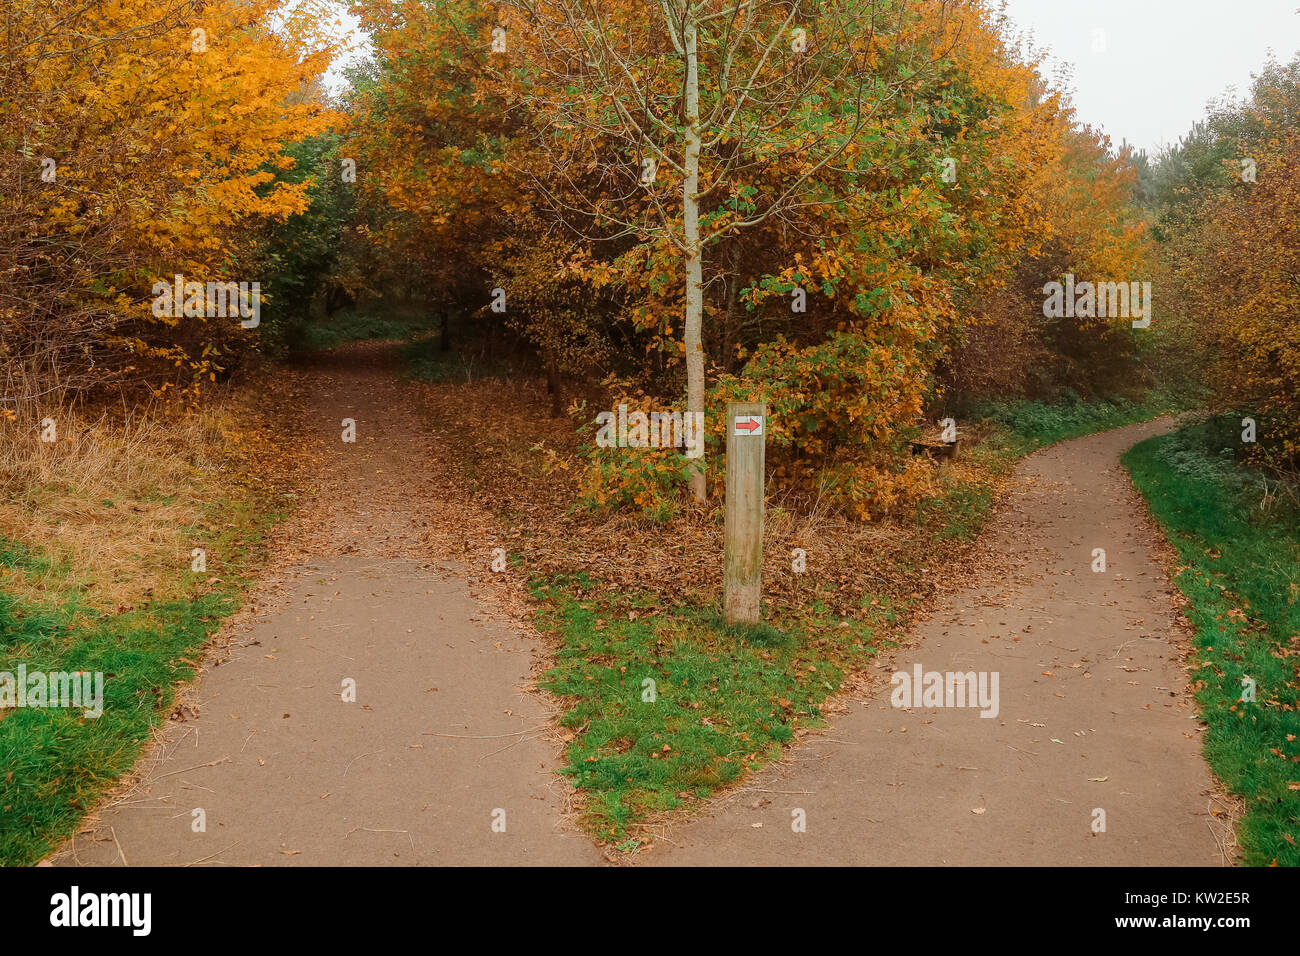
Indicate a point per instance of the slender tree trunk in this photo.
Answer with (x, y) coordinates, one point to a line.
(694, 252)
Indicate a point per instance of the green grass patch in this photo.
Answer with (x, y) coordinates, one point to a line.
(957, 515)
(1242, 581)
(358, 327)
(1031, 424)
(55, 762)
(668, 707)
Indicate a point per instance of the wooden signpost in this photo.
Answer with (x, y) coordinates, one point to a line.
(742, 573)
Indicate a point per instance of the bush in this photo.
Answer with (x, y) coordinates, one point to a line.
(840, 417)
(647, 480)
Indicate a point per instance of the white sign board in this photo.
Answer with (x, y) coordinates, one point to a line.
(747, 425)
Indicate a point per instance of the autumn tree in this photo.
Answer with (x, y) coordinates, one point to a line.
(704, 119)
(861, 178)
(147, 135)
(311, 259)
(1090, 226)
(427, 134)
(1237, 266)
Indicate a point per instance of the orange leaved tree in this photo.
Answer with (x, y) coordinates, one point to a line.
(147, 135)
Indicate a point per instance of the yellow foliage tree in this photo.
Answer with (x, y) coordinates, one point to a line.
(147, 135)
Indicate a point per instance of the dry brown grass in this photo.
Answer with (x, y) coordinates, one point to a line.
(111, 502)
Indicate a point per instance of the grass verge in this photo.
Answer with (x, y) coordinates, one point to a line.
(57, 761)
(669, 705)
(96, 537)
(1031, 424)
(1241, 576)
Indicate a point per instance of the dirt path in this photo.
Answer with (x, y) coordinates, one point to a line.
(1093, 711)
(443, 739)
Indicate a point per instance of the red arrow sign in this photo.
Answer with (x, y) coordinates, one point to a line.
(751, 425)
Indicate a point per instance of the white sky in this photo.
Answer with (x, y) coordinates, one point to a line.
(1163, 59)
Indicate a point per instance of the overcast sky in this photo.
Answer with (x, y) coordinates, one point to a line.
(1163, 59)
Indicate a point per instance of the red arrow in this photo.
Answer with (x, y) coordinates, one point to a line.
(750, 426)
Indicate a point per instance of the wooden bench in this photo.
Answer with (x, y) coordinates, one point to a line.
(939, 451)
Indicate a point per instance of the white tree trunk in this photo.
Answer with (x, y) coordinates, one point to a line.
(694, 253)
